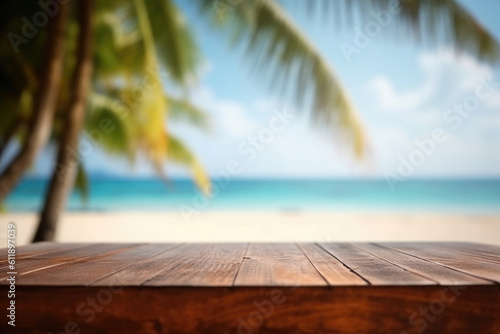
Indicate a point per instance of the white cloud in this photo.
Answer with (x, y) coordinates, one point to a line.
(390, 100)
(494, 101)
(228, 116)
(445, 74)
(408, 115)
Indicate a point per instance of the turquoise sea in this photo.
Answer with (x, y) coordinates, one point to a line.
(469, 196)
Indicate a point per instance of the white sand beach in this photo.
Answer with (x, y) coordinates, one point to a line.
(262, 227)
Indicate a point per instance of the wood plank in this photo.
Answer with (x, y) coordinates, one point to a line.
(481, 248)
(306, 310)
(436, 272)
(189, 288)
(373, 269)
(332, 270)
(90, 269)
(277, 265)
(45, 261)
(479, 251)
(142, 271)
(38, 248)
(479, 268)
(200, 265)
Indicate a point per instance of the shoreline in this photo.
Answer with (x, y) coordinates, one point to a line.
(262, 226)
(465, 211)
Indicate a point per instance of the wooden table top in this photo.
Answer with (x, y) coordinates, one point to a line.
(244, 265)
(348, 288)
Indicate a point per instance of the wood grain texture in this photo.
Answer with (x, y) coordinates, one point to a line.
(200, 265)
(141, 270)
(258, 288)
(482, 252)
(451, 259)
(433, 271)
(486, 248)
(277, 264)
(38, 249)
(90, 269)
(58, 258)
(332, 270)
(347, 310)
(373, 269)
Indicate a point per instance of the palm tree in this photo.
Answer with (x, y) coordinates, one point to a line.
(153, 34)
(39, 126)
(142, 127)
(65, 171)
(135, 131)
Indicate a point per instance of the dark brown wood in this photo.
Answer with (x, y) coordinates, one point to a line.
(347, 310)
(141, 271)
(200, 265)
(332, 270)
(65, 256)
(473, 266)
(433, 271)
(90, 269)
(277, 264)
(373, 269)
(39, 248)
(257, 288)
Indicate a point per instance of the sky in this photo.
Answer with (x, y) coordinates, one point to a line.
(405, 94)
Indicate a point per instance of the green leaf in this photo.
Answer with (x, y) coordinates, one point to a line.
(108, 123)
(432, 22)
(174, 41)
(152, 106)
(180, 154)
(182, 109)
(279, 48)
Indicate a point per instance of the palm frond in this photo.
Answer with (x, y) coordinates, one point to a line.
(107, 124)
(183, 109)
(152, 105)
(118, 135)
(432, 22)
(278, 46)
(175, 44)
(180, 154)
(116, 49)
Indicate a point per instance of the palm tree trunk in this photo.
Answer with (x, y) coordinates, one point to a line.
(11, 131)
(40, 126)
(65, 171)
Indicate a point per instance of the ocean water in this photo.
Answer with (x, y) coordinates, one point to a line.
(470, 196)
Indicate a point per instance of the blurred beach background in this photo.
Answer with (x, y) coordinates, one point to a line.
(145, 210)
(260, 166)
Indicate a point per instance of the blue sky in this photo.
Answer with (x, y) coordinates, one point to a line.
(401, 90)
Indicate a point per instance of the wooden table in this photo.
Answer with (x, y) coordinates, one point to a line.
(255, 288)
